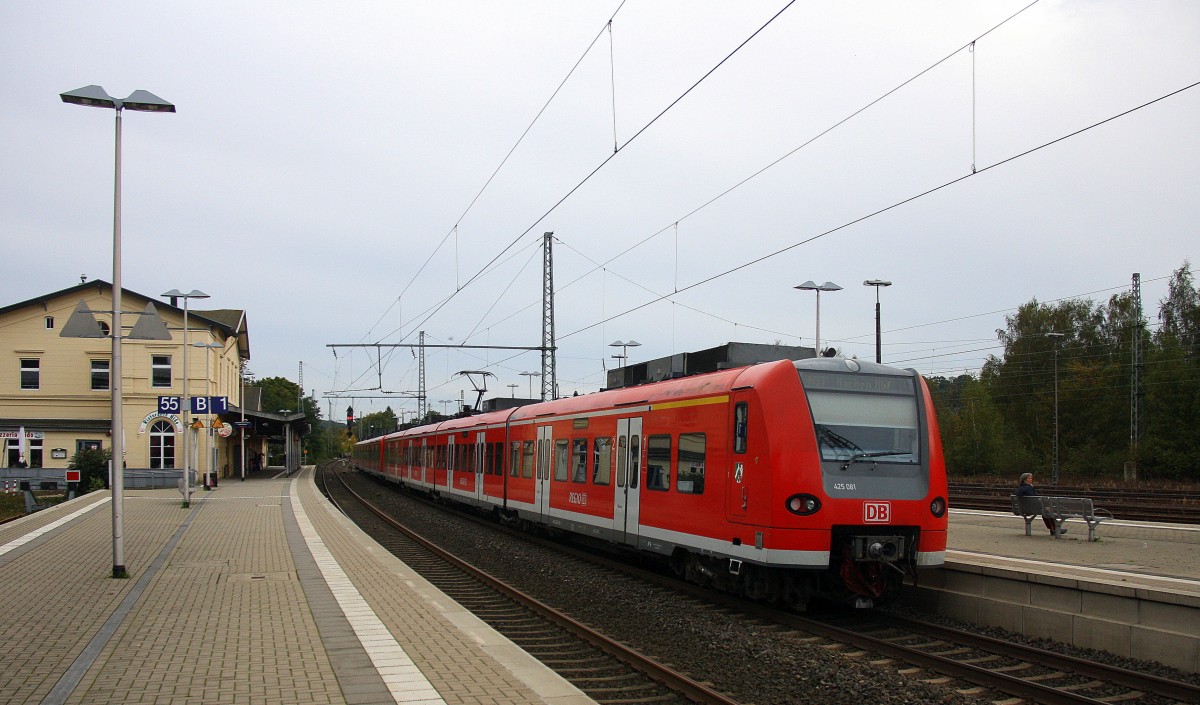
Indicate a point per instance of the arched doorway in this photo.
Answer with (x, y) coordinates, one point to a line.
(162, 445)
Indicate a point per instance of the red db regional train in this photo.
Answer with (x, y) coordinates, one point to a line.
(781, 481)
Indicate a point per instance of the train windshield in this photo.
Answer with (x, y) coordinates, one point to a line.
(864, 418)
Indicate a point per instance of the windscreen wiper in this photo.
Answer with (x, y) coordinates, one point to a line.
(834, 440)
(873, 454)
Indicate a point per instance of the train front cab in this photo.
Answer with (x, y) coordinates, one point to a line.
(868, 469)
(834, 484)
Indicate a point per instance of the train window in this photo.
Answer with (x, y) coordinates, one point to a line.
(527, 459)
(602, 467)
(689, 475)
(635, 460)
(741, 416)
(580, 453)
(497, 458)
(882, 428)
(621, 441)
(514, 463)
(658, 463)
(562, 458)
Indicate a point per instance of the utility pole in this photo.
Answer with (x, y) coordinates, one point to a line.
(1136, 393)
(549, 371)
(421, 402)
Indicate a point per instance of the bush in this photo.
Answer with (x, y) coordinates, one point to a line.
(92, 464)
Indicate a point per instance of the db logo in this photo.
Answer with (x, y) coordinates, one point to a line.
(877, 512)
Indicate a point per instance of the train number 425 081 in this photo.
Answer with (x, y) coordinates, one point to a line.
(847, 486)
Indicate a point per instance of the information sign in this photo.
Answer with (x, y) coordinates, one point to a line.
(168, 405)
(210, 405)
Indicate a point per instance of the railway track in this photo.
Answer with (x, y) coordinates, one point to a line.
(1171, 506)
(607, 671)
(966, 666)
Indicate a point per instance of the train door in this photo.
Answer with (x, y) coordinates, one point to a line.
(739, 473)
(449, 462)
(426, 464)
(626, 498)
(545, 444)
(480, 451)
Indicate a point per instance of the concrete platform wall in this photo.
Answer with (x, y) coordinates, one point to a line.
(1136, 622)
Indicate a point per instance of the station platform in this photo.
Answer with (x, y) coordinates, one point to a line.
(260, 592)
(1135, 592)
(1151, 556)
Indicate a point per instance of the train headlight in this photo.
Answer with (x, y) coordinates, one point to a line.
(803, 504)
(938, 507)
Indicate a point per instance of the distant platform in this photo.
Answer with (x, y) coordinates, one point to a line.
(260, 592)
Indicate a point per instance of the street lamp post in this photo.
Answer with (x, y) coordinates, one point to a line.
(287, 443)
(810, 285)
(877, 283)
(530, 375)
(624, 345)
(210, 444)
(143, 101)
(242, 372)
(187, 400)
(512, 391)
(1057, 337)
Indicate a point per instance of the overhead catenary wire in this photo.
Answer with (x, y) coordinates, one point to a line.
(617, 148)
(885, 209)
(775, 162)
(608, 159)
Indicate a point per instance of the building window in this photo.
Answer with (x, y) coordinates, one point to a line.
(85, 444)
(31, 374)
(160, 370)
(104, 328)
(33, 450)
(100, 376)
(49, 322)
(162, 445)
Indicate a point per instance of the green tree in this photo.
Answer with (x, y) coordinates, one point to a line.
(376, 423)
(1078, 347)
(1170, 448)
(92, 464)
(280, 393)
(975, 438)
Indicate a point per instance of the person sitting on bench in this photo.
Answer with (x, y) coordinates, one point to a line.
(1025, 489)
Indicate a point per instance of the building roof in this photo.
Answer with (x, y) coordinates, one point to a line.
(231, 321)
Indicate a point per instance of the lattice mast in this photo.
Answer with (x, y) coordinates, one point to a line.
(422, 402)
(549, 367)
(1136, 392)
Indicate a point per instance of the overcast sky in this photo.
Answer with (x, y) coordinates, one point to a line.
(323, 152)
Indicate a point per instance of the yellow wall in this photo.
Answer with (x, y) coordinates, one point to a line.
(65, 400)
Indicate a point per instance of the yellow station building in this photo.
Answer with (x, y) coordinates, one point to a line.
(55, 391)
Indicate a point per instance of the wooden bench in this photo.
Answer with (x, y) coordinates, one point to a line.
(1060, 509)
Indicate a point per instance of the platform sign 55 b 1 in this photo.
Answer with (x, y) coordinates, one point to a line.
(210, 405)
(877, 512)
(199, 405)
